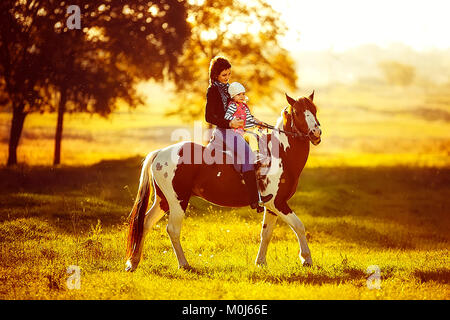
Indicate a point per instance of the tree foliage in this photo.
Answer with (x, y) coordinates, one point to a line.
(248, 33)
(47, 66)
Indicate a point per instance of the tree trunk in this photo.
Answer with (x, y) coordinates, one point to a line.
(17, 122)
(59, 127)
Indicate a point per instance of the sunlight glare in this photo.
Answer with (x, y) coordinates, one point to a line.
(196, 2)
(208, 35)
(237, 27)
(325, 24)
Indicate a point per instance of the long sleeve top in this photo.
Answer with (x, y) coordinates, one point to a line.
(237, 110)
(215, 110)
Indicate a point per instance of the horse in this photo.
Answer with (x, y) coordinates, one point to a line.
(172, 181)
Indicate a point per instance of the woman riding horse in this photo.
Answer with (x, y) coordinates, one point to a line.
(217, 99)
(169, 177)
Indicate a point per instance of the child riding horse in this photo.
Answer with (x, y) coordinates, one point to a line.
(217, 100)
(169, 177)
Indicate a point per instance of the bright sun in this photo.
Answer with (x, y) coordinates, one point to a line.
(325, 24)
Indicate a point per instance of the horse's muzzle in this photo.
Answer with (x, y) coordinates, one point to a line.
(315, 135)
(316, 141)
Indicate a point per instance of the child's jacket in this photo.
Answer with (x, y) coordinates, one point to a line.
(240, 111)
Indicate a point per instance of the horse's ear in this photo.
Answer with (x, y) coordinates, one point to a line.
(311, 97)
(290, 100)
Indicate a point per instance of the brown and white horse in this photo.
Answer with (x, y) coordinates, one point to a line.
(174, 180)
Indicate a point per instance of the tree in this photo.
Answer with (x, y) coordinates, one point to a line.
(19, 65)
(119, 43)
(248, 33)
(397, 73)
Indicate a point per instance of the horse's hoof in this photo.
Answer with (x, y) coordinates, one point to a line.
(307, 263)
(129, 267)
(186, 267)
(261, 264)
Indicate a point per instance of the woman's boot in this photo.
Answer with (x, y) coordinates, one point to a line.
(250, 182)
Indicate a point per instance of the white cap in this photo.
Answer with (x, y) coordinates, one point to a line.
(235, 88)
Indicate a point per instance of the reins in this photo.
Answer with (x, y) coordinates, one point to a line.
(295, 134)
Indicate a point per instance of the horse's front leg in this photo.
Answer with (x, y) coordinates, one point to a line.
(269, 222)
(287, 215)
(174, 230)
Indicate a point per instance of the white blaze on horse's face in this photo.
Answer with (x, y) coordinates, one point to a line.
(313, 126)
(310, 126)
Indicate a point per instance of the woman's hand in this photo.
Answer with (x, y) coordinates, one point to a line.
(236, 123)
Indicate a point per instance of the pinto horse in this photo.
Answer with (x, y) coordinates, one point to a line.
(174, 180)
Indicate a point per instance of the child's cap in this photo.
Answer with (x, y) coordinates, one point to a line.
(235, 88)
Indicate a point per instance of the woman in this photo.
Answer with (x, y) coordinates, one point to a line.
(217, 98)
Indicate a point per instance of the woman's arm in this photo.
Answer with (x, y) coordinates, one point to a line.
(214, 111)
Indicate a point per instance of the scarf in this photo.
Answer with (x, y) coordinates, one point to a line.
(223, 90)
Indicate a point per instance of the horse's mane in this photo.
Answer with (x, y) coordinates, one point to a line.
(267, 136)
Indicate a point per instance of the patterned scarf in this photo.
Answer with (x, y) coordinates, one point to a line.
(223, 89)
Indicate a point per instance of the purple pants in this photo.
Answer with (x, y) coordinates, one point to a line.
(243, 156)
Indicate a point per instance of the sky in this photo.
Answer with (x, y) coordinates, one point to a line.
(343, 24)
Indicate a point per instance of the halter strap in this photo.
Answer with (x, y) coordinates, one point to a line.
(295, 130)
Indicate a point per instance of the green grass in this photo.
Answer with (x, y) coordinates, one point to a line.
(394, 217)
(376, 191)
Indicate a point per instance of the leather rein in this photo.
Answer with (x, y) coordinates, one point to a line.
(295, 133)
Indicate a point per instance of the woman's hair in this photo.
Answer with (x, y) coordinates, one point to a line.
(217, 65)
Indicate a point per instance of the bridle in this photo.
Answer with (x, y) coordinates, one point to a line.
(295, 129)
(294, 132)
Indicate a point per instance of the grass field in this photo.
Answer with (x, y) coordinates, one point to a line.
(389, 217)
(376, 191)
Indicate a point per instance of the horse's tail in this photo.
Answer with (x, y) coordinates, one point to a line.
(137, 214)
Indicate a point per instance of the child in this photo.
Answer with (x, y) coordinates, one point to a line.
(237, 108)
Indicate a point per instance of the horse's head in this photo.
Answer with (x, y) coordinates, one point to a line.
(301, 116)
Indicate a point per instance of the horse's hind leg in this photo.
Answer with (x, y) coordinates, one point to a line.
(153, 215)
(174, 178)
(176, 215)
(174, 229)
(269, 222)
